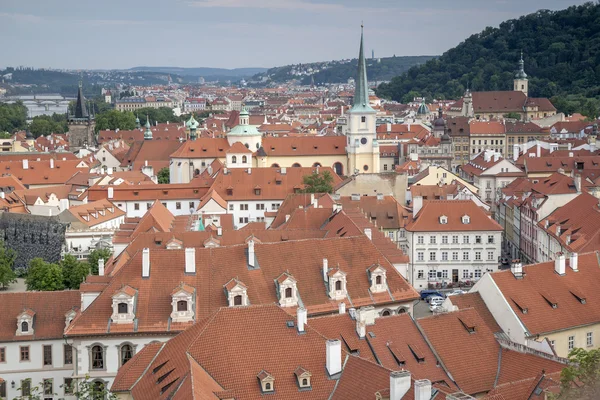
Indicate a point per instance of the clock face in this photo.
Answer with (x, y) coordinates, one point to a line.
(363, 140)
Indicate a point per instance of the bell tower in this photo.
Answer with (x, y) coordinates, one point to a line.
(81, 124)
(521, 84)
(361, 135)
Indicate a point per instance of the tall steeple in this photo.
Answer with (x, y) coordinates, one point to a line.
(80, 108)
(361, 92)
(521, 83)
(521, 70)
(148, 132)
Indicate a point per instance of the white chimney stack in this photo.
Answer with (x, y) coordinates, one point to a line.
(25, 163)
(342, 307)
(559, 264)
(51, 163)
(101, 266)
(515, 152)
(251, 253)
(517, 269)
(111, 192)
(368, 233)
(538, 150)
(574, 261)
(325, 269)
(301, 319)
(417, 204)
(399, 384)
(219, 231)
(333, 356)
(146, 263)
(2, 195)
(190, 260)
(423, 389)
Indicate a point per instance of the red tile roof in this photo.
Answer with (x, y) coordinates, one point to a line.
(428, 218)
(474, 300)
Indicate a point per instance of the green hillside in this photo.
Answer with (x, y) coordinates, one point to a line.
(561, 50)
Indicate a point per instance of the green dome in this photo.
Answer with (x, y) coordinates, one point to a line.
(192, 123)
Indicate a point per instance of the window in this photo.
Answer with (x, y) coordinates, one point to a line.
(490, 255)
(231, 207)
(244, 159)
(274, 206)
(552, 343)
(432, 275)
(432, 256)
(68, 386)
(465, 274)
(2, 354)
(465, 255)
(136, 206)
(465, 239)
(260, 206)
(420, 274)
(455, 239)
(490, 239)
(192, 204)
(571, 342)
(182, 305)
(478, 239)
(2, 389)
(432, 240)
(48, 387)
(233, 159)
(455, 256)
(178, 205)
(24, 353)
(477, 256)
(148, 206)
(444, 256)
(444, 239)
(122, 308)
(126, 353)
(237, 300)
(68, 354)
(445, 274)
(97, 357)
(420, 239)
(47, 354)
(338, 285)
(288, 293)
(24, 327)
(420, 256)
(363, 119)
(477, 273)
(26, 387)
(385, 167)
(589, 339)
(243, 207)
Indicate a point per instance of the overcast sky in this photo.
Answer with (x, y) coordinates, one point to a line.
(238, 33)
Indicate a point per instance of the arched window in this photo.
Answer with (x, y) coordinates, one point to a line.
(338, 168)
(244, 159)
(385, 313)
(233, 159)
(288, 293)
(122, 308)
(274, 165)
(267, 386)
(401, 310)
(24, 326)
(296, 165)
(338, 285)
(126, 353)
(378, 280)
(237, 300)
(196, 172)
(304, 382)
(97, 357)
(182, 305)
(317, 164)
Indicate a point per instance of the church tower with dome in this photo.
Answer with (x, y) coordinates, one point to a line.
(361, 134)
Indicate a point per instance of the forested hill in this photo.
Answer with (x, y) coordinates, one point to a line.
(561, 50)
(339, 71)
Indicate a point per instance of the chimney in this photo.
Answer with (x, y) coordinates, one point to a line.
(577, 181)
(496, 157)
(225, 171)
(111, 192)
(251, 252)
(333, 356)
(573, 263)
(219, 231)
(379, 196)
(422, 389)
(559, 264)
(52, 163)
(342, 308)
(101, 266)
(249, 171)
(417, 204)
(2, 195)
(399, 384)
(325, 269)
(388, 127)
(283, 171)
(190, 260)
(515, 152)
(538, 150)
(337, 207)
(146, 263)
(368, 233)
(517, 268)
(25, 163)
(300, 319)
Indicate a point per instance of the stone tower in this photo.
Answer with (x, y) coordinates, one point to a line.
(521, 84)
(81, 125)
(362, 146)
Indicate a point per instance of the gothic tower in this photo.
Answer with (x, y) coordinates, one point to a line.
(362, 146)
(521, 84)
(81, 125)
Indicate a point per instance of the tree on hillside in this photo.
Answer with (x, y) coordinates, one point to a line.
(581, 379)
(47, 124)
(7, 260)
(13, 117)
(74, 271)
(318, 182)
(160, 115)
(164, 175)
(114, 119)
(96, 255)
(44, 276)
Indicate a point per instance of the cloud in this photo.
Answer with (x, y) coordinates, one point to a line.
(21, 17)
(267, 4)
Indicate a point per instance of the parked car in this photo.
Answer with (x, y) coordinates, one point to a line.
(428, 293)
(435, 300)
(456, 292)
(504, 261)
(436, 309)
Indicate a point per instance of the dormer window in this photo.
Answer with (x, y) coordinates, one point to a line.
(25, 323)
(182, 303)
(236, 293)
(377, 275)
(466, 219)
(24, 327)
(443, 220)
(123, 305)
(266, 382)
(244, 159)
(337, 284)
(233, 159)
(287, 290)
(257, 191)
(303, 378)
(69, 317)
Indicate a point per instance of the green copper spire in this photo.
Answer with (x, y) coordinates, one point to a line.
(192, 125)
(361, 92)
(138, 124)
(521, 71)
(148, 132)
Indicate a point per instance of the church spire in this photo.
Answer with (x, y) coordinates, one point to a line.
(361, 91)
(521, 71)
(80, 108)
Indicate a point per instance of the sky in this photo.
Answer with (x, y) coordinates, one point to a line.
(118, 34)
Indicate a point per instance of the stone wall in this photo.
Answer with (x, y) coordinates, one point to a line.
(32, 236)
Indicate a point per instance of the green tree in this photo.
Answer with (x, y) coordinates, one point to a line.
(7, 260)
(96, 255)
(581, 379)
(47, 124)
(85, 390)
(44, 276)
(114, 119)
(164, 175)
(513, 115)
(13, 117)
(74, 271)
(318, 182)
